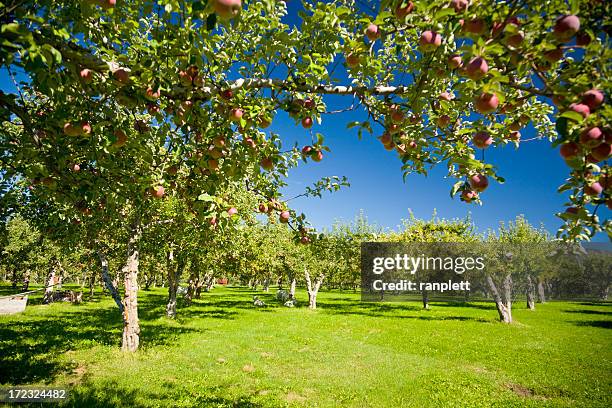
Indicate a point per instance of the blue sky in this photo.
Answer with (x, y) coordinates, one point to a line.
(532, 175)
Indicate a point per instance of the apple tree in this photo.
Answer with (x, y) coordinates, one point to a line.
(126, 102)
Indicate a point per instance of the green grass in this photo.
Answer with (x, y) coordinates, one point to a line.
(222, 351)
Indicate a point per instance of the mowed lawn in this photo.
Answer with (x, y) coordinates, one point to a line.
(224, 352)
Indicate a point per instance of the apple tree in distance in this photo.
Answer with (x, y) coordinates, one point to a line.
(127, 102)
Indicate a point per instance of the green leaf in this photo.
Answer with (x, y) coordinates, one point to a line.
(575, 116)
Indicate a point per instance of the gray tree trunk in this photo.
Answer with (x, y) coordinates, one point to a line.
(48, 296)
(26, 281)
(503, 304)
(131, 325)
(174, 278)
(530, 293)
(603, 295)
(541, 292)
(313, 288)
(112, 288)
(191, 289)
(266, 285)
(292, 287)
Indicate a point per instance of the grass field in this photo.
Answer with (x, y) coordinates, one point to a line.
(224, 352)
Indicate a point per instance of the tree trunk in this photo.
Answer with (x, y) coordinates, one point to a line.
(112, 288)
(504, 306)
(603, 295)
(266, 285)
(530, 293)
(313, 289)
(131, 325)
(26, 281)
(174, 278)
(92, 284)
(292, 288)
(190, 289)
(48, 297)
(425, 296)
(541, 293)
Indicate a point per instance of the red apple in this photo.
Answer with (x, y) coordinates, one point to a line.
(85, 128)
(482, 140)
(569, 150)
(454, 61)
(583, 39)
(122, 76)
(553, 56)
(593, 189)
(86, 75)
(459, 5)
(121, 137)
(219, 142)
(213, 222)
(307, 122)
(593, 98)
(515, 136)
(107, 4)
(479, 182)
(443, 121)
(468, 195)
(486, 103)
(514, 40)
(475, 26)
(227, 9)
(602, 152)
(263, 208)
(566, 27)
(397, 115)
(386, 138)
(284, 217)
(430, 40)
(372, 32)
(352, 60)
(446, 96)
(306, 150)
(76, 168)
(477, 68)
(591, 137)
(236, 114)
(152, 95)
(267, 163)
(402, 12)
(316, 156)
(232, 211)
(212, 164)
(71, 130)
(227, 94)
(158, 192)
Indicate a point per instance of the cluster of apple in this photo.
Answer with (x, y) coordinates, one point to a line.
(77, 129)
(315, 153)
(105, 4)
(302, 109)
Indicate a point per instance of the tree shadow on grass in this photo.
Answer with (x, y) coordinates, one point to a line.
(602, 324)
(587, 311)
(31, 348)
(111, 395)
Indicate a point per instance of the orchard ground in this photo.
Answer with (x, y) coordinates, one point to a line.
(223, 351)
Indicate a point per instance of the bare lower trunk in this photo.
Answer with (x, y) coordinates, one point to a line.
(292, 288)
(603, 294)
(131, 325)
(503, 305)
(190, 289)
(14, 280)
(541, 293)
(313, 288)
(530, 293)
(174, 277)
(425, 299)
(48, 297)
(266, 285)
(26, 281)
(112, 288)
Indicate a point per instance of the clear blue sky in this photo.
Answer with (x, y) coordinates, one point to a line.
(532, 175)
